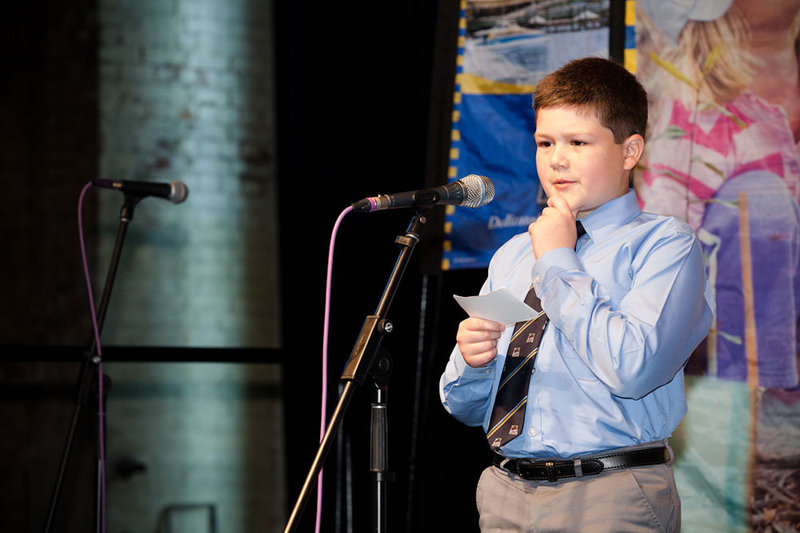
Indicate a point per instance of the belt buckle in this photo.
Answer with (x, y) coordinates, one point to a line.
(533, 469)
(526, 468)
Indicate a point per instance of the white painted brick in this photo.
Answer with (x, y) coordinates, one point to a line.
(185, 94)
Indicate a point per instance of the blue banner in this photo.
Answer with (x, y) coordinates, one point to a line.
(505, 48)
(500, 146)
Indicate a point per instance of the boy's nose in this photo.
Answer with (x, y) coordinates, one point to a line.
(558, 158)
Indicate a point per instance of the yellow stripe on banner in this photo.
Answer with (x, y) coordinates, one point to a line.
(455, 135)
(447, 245)
(630, 60)
(630, 13)
(452, 172)
(629, 54)
(445, 264)
(454, 153)
(472, 84)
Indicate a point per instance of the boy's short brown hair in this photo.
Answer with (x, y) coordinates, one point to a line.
(601, 86)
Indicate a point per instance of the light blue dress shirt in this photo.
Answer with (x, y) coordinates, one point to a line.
(626, 310)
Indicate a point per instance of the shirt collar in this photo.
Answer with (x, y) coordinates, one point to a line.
(611, 215)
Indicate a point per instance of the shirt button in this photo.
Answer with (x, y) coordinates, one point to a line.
(537, 278)
(532, 432)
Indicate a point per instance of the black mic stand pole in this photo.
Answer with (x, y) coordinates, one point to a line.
(368, 358)
(88, 374)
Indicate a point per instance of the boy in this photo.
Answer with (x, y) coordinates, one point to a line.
(627, 303)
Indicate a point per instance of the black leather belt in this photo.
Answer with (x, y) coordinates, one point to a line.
(553, 470)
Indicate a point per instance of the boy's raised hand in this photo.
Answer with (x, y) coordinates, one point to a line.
(477, 340)
(555, 227)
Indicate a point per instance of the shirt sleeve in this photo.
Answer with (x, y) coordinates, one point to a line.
(639, 343)
(466, 392)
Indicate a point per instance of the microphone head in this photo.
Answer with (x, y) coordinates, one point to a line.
(478, 190)
(178, 192)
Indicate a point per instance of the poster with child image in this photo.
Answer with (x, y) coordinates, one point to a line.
(722, 154)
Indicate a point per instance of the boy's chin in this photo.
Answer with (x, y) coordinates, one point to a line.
(574, 201)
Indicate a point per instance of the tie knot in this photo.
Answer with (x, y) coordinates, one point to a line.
(580, 228)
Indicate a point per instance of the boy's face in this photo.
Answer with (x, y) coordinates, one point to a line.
(577, 157)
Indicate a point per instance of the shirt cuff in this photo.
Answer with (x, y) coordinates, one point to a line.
(472, 373)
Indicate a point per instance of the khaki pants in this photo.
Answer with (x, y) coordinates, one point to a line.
(630, 500)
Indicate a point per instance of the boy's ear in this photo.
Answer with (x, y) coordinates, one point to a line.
(634, 148)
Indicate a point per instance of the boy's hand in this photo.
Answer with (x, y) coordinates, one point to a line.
(477, 340)
(555, 227)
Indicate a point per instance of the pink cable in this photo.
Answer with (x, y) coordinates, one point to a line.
(101, 430)
(326, 323)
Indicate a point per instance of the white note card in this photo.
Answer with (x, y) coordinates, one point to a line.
(500, 306)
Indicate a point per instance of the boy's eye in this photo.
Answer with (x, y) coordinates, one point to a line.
(578, 143)
(543, 144)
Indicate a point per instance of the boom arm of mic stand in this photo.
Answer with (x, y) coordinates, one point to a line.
(363, 358)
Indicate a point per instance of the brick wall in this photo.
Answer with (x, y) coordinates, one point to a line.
(186, 93)
(186, 437)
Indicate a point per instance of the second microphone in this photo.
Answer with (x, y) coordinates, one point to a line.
(470, 191)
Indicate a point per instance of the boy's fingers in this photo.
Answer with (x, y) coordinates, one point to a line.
(475, 330)
(484, 324)
(559, 203)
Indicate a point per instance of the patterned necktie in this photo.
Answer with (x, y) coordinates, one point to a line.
(508, 415)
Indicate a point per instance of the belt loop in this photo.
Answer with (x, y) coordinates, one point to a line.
(578, 468)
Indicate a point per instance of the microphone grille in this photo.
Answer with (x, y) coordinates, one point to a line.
(178, 193)
(479, 190)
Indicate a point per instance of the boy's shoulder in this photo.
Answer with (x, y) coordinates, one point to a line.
(665, 224)
(651, 232)
(518, 246)
(516, 252)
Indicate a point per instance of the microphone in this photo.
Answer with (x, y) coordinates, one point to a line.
(174, 191)
(469, 191)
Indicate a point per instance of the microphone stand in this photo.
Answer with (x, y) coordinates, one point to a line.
(88, 374)
(369, 358)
